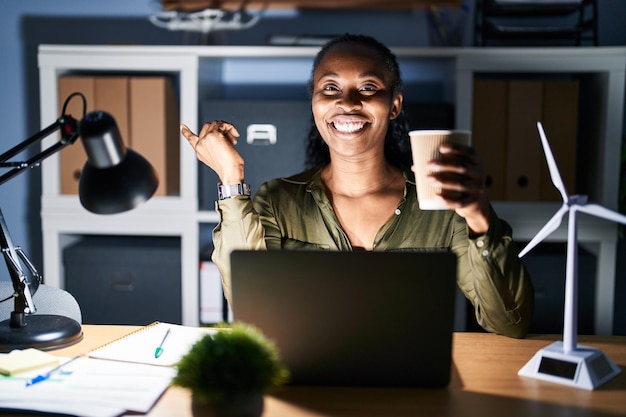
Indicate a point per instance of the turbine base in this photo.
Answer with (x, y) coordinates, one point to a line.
(584, 367)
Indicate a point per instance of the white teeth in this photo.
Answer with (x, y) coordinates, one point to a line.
(349, 127)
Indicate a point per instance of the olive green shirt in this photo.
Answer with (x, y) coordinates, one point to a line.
(295, 213)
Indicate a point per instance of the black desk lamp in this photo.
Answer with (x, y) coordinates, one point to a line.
(114, 179)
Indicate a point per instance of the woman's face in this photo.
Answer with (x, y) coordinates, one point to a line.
(352, 101)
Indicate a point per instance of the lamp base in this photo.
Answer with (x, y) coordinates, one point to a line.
(44, 332)
(584, 367)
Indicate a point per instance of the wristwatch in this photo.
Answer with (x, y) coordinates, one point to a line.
(227, 191)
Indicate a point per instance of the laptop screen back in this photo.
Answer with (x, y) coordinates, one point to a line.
(351, 318)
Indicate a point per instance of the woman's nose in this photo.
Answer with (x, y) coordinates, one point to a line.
(349, 100)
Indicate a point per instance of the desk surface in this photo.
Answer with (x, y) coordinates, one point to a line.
(484, 383)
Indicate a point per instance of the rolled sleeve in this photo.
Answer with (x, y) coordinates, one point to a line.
(239, 228)
(496, 282)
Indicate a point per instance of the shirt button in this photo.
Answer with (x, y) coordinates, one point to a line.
(485, 253)
(480, 243)
(398, 212)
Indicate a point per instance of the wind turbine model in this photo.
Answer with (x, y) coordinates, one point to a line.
(566, 362)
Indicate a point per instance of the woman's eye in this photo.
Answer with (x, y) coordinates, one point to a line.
(369, 89)
(329, 89)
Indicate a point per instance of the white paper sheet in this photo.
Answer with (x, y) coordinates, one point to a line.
(89, 388)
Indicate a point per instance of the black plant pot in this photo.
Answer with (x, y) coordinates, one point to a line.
(245, 405)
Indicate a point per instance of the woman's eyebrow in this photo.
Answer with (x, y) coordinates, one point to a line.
(329, 75)
(364, 75)
(373, 74)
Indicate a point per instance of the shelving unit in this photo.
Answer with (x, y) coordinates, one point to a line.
(215, 72)
(573, 22)
(312, 4)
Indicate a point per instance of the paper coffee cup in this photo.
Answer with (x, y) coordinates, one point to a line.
(424, 148)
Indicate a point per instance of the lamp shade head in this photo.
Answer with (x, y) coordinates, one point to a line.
(114, 179)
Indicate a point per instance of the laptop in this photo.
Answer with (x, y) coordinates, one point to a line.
(378, 319)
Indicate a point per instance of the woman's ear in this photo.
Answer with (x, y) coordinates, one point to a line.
(396, 106)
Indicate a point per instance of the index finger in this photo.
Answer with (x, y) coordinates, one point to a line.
(466, 152)
(449, 147)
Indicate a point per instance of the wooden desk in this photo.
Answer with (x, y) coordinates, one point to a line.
(484, 383)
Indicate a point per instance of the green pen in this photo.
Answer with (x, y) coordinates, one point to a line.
(159, 350)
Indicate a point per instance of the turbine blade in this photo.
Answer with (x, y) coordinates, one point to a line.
(546, 230)
(599, 211)
(555, 175)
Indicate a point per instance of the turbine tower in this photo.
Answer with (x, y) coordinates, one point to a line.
(566, 362)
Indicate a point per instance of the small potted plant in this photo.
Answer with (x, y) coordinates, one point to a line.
(229, 371)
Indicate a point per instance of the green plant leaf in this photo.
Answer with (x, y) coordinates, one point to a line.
(234, 361)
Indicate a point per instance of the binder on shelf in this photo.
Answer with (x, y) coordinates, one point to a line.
(560, 121)
(154, 129)
(73, 158)
(107, 93)
(524, 154)
(505, 113)
(112, 97)
(489, 132)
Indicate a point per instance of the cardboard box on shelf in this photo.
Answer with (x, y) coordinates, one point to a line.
(489, 132)
(154, 129)
(73, 157)
(112, 97)
(146, 113)
(108, 94)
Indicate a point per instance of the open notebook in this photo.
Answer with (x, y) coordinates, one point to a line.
(140, 346)
(352, 318)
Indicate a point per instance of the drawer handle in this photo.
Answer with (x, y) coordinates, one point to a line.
(261, 134)
(121, 283)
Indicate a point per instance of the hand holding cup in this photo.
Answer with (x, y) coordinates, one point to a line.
(435, 172)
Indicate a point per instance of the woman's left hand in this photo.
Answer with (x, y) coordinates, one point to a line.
(462, 179)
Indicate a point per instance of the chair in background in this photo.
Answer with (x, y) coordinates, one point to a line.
(48, 300)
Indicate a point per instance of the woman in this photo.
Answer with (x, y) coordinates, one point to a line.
(361, 195)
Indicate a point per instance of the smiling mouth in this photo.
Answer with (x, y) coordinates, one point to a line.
(348, 127)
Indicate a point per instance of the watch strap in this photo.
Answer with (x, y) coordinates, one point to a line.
(227, 191)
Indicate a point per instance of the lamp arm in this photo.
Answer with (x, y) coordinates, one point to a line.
(104, 189)
(22, 294)
(23, 288)
(69, 134)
